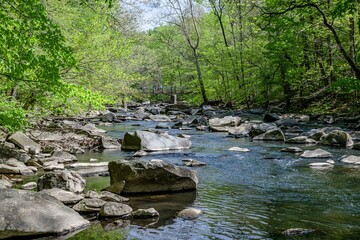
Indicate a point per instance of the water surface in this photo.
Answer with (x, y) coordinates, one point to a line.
(251, 195)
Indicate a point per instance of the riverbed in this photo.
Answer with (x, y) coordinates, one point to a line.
(246, 195)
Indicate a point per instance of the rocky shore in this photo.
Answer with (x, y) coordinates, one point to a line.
(49, 147)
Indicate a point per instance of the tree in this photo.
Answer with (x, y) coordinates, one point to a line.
(185, 16)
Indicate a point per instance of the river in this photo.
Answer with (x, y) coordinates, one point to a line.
(246, 195)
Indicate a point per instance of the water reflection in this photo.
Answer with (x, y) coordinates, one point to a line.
(166, 204)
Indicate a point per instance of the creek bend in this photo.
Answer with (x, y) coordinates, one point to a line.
(246, 195)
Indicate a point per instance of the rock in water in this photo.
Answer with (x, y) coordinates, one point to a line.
(189, 213)
(317, 153)
(297, 231)
(152, 176)
(145, 213)
(25, 213)
(149, 141)
(114, 209)
(271, 135)
(337, 138)
(223, 124)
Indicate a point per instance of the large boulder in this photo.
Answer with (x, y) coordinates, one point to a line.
(301, 140)
(66, 180)
(25, 213)
(152, 176)
(223, 124)
(337, 138)
(150, 141)
(109, 143)
(271, 135)
(24, 142)
(241, 131)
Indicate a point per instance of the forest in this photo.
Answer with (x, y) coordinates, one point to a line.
(67, 57)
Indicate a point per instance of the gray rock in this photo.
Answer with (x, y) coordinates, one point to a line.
(321, 165)
(5, 184)
(337, 138)
(241, 131)
(317, 135)
(149, 141)
(317, 153)
(112, 197)
(145, 213)
(53, 165)
(66, 180)
(193, 163)
(63, 196)
(7, 169)
(297, 231)
(140, 153)
(223, 124)
(301, 140)
(63, 157)
(356, 146)
(29, 186)
(26, 213)
(189, 213)
(24, 142)
(160, 118)
(258, 129)
(108, 117)
(89, 205)
(292, 149)
(351, 159)
(238, 149)
(109, 143)
(113, 209)
(271, 135)
(152, 176)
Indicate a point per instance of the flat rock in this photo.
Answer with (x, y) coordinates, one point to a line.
(29, 186)
(113, 209)
(351, 159)
(152, 176)
(145, 213)
(317, 153)
(26, 213)
(292, 149)
(112, 197)
(321, 165)
(24, 142)
(239, 149)
(89, 205)
(193, 163)
(241, 131)
(189, 213)
(63, 196)
(301, 140)
(297, 231)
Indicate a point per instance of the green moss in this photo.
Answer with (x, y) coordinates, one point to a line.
(96, 232)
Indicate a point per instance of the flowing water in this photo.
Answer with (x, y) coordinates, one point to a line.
(246, 195)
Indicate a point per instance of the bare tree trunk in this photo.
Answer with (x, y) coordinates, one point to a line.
(201, 82)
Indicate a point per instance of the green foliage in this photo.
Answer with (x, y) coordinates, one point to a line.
(12, 116)
(346, 85)
(96, 232)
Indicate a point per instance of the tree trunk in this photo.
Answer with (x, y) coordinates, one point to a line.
(200, 79)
